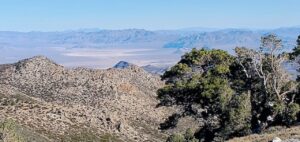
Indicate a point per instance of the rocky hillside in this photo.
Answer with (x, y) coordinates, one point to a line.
(81, 104)
(277, 134)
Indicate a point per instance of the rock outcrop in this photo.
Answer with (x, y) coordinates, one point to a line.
(124, 65)
(59, 102)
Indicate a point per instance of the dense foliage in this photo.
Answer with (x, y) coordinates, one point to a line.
(240, 94)
(296, 50)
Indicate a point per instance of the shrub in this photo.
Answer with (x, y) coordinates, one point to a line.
(187, 137)
(292, 112)
(171, 122)
(176, 138)
(9, 131)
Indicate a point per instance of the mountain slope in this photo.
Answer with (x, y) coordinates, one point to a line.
(160, 70)
(59, 102)
(286, 134)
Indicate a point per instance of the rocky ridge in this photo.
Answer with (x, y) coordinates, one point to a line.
(56, 101)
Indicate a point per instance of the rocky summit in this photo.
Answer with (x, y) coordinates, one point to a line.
(124, 65)
(48, 102)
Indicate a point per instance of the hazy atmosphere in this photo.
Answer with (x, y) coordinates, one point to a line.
(99, 33)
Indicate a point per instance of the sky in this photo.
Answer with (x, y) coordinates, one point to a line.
(58, 15)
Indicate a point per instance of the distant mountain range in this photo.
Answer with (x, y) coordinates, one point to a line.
(230, 38)
(183, 38)
(98, 48)
(82, 38)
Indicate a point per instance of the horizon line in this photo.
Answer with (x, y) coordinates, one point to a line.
(194, 28)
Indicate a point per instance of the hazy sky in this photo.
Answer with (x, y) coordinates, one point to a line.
(50, 15)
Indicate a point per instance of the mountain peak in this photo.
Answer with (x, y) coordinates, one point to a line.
(37, 62)
(123, 65)
(37, 59)
(127, 65)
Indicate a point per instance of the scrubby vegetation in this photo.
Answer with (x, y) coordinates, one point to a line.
(241, 94)
(89, 136)
(187, 137)
(11, 131)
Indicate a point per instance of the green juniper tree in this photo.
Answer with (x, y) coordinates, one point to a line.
(296, 50)
(271, 93)
(240, 94)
